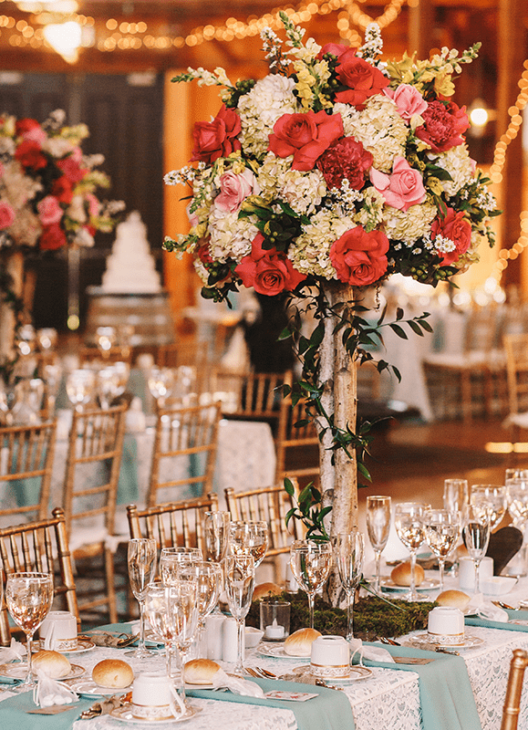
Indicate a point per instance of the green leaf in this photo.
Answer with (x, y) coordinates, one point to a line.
(288, 486)
(416, 328)
(399, 314)
(284, 335)
(427, 327)
(398, 330)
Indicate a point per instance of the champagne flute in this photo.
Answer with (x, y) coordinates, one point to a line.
(216, 535)
(441, 533)
(408, 519)
(158, 618)
(311, 563)
(378, 528)
(477, 530)
(247, 537)
(491, 499)
(141, 571)
(209, 579)
(173, 558)
(349, 550)
(28, 598)
(456, 495)
(240, 581)
(182, 616)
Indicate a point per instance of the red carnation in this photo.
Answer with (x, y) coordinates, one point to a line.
(217, 138)
(52, 237)
(443, 125)
(358, 257)
(348, 159)
(361, 79)
(62, 190)
(71, 168)
(269, 272)
(29, 154)
(457, 229)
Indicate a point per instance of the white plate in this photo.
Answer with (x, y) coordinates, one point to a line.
(88, 688)
(427, 585)
(276, 651)
(125, 715)
(424, 640)
(18, 670)
(82, 646)
(356, 673)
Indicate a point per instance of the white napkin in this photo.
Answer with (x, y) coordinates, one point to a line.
(14, 653)
(485, 609)
(50, 692)
(236, 685)
(372, 653)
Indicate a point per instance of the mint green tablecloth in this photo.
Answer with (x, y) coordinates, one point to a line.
(446, 696)
(14, 715)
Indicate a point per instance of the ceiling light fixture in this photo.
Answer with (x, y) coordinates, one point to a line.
(65, 39)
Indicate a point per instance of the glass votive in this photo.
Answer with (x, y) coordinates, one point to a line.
(275, 620)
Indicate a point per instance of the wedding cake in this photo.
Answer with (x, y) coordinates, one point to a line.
(130, 268)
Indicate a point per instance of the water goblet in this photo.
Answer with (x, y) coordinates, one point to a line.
(491, 499)
(408, 520)
(216, 535)
(172, 558)
(378, 528)
(28, 598)
(80, 385)
(513, 473)
(240, 581)
(160, 383)
(247, 537)
(209, 580)
(311, 563)
(348, 551)
(518, 501)
(141, 571)
(441, 532)
(476, 532)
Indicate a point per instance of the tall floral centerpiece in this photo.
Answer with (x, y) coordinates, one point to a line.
(320, 180)
(47, 201)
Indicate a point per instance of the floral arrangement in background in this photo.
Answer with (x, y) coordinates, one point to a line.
(47, 186)
(337, 166)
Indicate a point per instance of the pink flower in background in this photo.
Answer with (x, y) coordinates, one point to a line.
(358, 257)
(7, 215)
(72, 169)
(403, 188)
(49, 210)
(408, 100)
(93, 205)
(235, 189)
(31, 130)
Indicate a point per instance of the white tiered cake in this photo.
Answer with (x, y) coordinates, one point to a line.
(130, 268)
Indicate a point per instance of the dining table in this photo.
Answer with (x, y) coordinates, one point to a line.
(433, 691)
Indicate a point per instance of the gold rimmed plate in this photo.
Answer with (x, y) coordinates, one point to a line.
(276, 651)
(124, 714)
(18, 670)
(422, 641)
(88, 688)
(83, 645)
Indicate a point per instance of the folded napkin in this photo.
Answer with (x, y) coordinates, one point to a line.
(118, 641)
(494, 623)
(486, 609)
(236, 684)
(14, 652)
(48, 691)
(15, 712)
(373, 653)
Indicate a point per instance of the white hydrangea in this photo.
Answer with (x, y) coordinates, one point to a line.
(459, 165)
(410, 225)
(268, 100)
(379, 127)
(272, 169)
(26, 228)
(18, 187)
(231, 238)
(7, 146)
(310, 252)
(302, 190)
(57, 146)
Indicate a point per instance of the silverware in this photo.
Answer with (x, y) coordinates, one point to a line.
(445, 650)
(265, 674)
(391, 642)
(501, 604)
(322, 683)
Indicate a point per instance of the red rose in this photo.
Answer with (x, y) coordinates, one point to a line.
(362, 80)
(204, 253)
(62, 190)
(23, 126)
(443, 125)
(305, 136)
(348, 159)
(52, 237)
(71, 168)
(340, 51)
(358, 257)
(217, 138)
(268, 272)
(29, 154)
(457, 229)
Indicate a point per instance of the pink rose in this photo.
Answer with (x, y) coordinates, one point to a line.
(234, 189)
(93, 205)
(408, 100)
(361, 79)
(401, 189)
(305, 136)
(49, 210)
(358, 257)
(217, 138)
(7, 215)
(457, 229)
(443, 125)
(268, 272)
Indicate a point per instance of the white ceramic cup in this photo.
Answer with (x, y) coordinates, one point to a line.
(466, 572)
(445, 625)
(229, 640)
(330, 657)
(214, 625)
(151, 697)
(58, 631)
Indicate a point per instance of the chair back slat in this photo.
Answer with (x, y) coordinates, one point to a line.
(297, 433)
(512, 703)
(516, 348)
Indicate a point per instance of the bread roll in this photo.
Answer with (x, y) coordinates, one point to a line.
(457, 599)
(401, 575)
(200, 671)
(265, 589)
(113, 673)
(300, 642)
(52, 663)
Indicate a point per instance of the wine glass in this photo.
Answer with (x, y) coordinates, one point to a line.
(29, 597)
(122, 372)
(311, 563)
(106, 380)
(240, 581)
(378, 528)
(408, 520)
(160, 383)
(51, 374)
(80, 386)
(456, 495)
(156, 613)
(492, 499)
(518, 501)
(441, 533)
(141, 571)
(209, 579)
(477, 530)
(173, 558)
(216, 535)
(248, 537)
(348, 550)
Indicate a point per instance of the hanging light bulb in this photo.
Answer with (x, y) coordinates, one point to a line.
(65, 39)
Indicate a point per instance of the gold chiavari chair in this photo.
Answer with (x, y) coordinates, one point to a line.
(96, 439)
(43, 547)
(297, 444)
(26, 453)
(512, 703)
(191, 433)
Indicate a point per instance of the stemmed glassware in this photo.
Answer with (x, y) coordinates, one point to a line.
(408, 520)
(311, 563)
(28, 598)
(348, 551)
(378, 528)
(441, 533)
(51, 374)
(491, 499)
(208, 578)
(173, 558)
(105, 338)
(240, 581)
(477, 530)
(518, 501)
(456, 496)
(160, 383)
(156, 613)
(107, 380)
(141, 571)
(248, 537)
(216, 535)
(182, 616)
(80, 385)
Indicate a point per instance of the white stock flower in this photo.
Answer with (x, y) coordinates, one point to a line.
(7, 146)
(310, 252)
